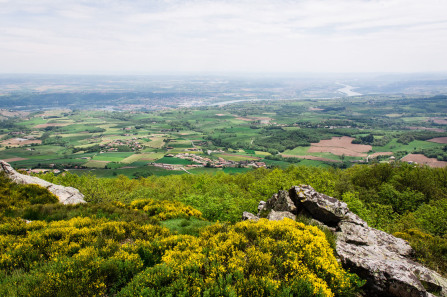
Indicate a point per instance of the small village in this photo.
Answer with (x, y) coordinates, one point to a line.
(207, 162)
(113, 146)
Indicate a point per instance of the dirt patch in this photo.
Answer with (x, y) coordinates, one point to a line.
(315, 109)
(20, 141)
(442, 140)
(426, 129)
(220, 114)
(51, 125)
(340, 146)
(380, 154)
(14, 159)
(242, 156)
(440, 121)
(311, 158)
(9, 114)
(262, 120)
(421, 159)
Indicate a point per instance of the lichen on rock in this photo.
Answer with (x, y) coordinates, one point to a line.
(380, 258)
(66, 195)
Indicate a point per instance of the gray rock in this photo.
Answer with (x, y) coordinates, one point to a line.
(66, 195)
(281, 202)
(327, 210)
(261, 205)
(380, 258)
(280, 215)
(249, 216)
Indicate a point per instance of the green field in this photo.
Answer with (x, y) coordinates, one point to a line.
(143, 136)
(112, 157)
(174, 161)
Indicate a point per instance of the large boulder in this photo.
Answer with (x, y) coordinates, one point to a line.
(66, 195)
(380, 258)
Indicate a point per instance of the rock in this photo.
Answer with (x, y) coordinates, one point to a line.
(249, 216)
(380, 258)
(280, 202)
(323, 208)
(66, 195)
(261, 206)
(279, 215)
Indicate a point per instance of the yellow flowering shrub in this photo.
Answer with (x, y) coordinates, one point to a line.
(77, 257)
(265, 258)
(164, 210)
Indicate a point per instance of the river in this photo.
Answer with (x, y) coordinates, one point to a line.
(348, 90)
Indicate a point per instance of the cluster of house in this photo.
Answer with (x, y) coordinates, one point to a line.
(113, 146)
(203, 161)
(40, 170)
(217, 163)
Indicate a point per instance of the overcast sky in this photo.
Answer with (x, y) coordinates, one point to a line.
(153, 36)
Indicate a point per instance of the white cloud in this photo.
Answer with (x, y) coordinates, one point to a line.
(219, 35)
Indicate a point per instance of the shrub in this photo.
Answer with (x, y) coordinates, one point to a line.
(265, 258)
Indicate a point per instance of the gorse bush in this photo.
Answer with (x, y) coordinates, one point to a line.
(77, 257)
(99, 249)
(164, 210)
(149, 237)
(382, 194)
(265, 258)
(86, 257)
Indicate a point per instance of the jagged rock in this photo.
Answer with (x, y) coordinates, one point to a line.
(280, 202)
(380, 258)
(279, 215)
(261, 206)
(66, 195)
(249, 216)
(325, 209)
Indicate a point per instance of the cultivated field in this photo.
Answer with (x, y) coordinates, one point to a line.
(20, 141)
(421, 159)
(51, 125)
(277, 133)
(442, 140)
(340, 146)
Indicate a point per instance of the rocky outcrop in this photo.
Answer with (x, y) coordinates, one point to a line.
(380, 258)
(66, 195)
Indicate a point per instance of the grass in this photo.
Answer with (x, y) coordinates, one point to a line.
(313, 163)
(96, 164)
(129, 172)
(33, 122)
(394, 146)
(132, 158)
(46, 162)
(145, 157)
(113, 157)
(298, 151)
(174, 161)
(156, 142)
(281, 164)
(190, 226)
(201, 170)
(260, 153)
(235, 170)
(235, 157)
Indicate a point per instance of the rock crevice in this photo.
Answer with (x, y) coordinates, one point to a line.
(380, 258)
(66, 195)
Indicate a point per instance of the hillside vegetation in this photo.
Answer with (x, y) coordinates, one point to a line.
(180, 235)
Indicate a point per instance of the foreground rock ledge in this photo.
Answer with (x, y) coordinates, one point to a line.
(66, 195)
(380, 258)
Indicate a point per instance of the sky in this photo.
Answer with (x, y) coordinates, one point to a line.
(170, 36)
